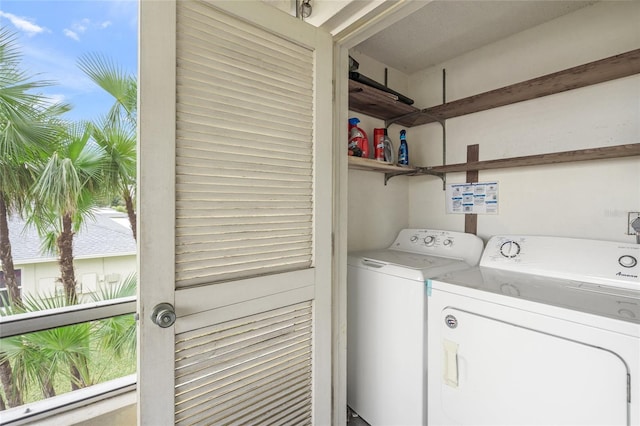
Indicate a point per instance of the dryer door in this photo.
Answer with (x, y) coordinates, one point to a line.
(494, 372)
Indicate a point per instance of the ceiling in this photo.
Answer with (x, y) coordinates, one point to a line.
(444, 29)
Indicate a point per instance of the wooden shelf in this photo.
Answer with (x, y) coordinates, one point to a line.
(385, 106)
(379, 104)
(376, 103)
(359, 163)
(617, 151)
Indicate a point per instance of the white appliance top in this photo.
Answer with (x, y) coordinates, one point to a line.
(418, 254)
(596, 277)
(612, 302)
(591, 261)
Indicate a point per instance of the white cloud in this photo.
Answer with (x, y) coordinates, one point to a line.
(23, 24)
(81, 26)
(71, 34)
(55, 98)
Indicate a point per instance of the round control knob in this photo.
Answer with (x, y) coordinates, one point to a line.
(413, 238)
(429, 240)
(627, 261)
(510, 249)
(447, 243)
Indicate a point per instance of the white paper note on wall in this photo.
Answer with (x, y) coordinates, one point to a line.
(476, 198)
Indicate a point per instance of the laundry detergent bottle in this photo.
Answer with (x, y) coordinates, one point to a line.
(358, 141)
(403, 150)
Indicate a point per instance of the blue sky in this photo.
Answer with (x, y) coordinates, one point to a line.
(53, 34)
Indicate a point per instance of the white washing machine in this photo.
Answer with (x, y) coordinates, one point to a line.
(386, 314)
(546, 331)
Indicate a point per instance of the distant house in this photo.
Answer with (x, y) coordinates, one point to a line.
(104, 252)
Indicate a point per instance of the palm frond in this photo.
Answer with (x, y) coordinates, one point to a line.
(115, 81)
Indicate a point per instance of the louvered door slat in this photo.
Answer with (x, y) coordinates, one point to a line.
(229, 153)
(212, 99)
(246, 368)
(230, 387)
(198, 137)
(214, 224)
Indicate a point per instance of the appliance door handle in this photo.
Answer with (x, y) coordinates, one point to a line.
(372, 263)
(450, 363)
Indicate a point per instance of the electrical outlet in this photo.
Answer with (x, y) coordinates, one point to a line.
(631, 217)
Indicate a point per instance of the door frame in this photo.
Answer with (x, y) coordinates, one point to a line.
(156, 172)
(379, 18)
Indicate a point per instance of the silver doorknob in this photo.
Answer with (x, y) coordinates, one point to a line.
(163, 315)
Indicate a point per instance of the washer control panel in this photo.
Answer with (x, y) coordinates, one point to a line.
(458, 245)
(570, 258)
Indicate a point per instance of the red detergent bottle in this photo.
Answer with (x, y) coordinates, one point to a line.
(358, 141)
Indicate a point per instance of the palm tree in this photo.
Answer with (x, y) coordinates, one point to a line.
(65, 352)
(116, 133)
(63, 196)
(118, 142)
(27, 124)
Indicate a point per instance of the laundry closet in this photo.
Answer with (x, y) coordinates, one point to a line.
(584, 199)
(539, 101)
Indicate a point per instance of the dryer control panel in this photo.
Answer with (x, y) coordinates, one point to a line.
(456, 245)
(600, 262)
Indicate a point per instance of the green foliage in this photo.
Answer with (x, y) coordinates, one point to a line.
(115, 81)
(117, 333)
(52, 169)
(99, 351)
(29, 123)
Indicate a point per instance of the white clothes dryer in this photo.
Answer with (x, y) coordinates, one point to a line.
(386, 314)
(546, 331)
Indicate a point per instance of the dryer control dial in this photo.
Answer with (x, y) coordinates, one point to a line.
(510, 249)
(448, 242)
(429, 240)
(414, 238)
(627, 261)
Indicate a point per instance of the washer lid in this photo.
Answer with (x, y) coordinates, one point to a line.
(404, 264)
(598, 299)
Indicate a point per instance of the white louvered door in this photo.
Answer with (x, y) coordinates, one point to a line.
(235, 215)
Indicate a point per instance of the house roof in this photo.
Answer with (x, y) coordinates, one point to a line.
(107, 234)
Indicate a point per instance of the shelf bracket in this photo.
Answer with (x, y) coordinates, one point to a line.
(388, 176)
(393, 120)
(418, 171)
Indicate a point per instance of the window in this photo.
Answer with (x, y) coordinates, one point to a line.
(73, 329)
(4, 292)
(69, 355)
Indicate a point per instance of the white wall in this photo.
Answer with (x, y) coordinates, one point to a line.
(39, 278)
(588, 199)
(376, 212)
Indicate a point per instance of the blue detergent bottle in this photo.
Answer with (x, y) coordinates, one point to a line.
(403, 151)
